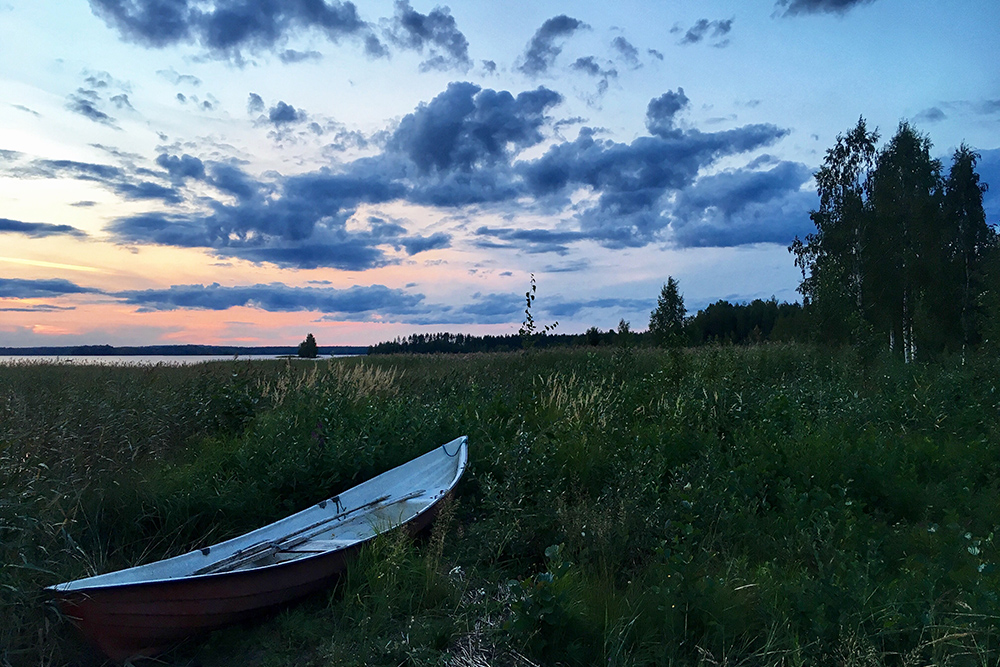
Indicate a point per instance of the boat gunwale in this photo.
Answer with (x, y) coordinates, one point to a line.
(462, 454)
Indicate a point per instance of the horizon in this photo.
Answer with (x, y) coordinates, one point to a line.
(243, 175)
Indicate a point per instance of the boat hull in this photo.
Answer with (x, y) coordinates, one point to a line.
(143, 618)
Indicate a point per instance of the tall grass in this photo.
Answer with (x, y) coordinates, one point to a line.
(763, 505)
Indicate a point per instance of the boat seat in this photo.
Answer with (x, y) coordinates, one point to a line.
(315, 546)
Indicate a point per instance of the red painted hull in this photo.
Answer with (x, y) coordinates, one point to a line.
(143, 619)
(146, 618)
(143, 610)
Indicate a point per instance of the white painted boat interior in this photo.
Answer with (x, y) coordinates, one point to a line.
(359, 514)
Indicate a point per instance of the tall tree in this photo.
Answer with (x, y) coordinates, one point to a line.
(835, 258)
(970, 239)
(907, 241)
(666, 322)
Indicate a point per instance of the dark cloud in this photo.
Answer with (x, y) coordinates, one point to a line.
(629, 53)
(227, 27)
(114, 178)
(573, 308)
(704, 28)
(590, 66)
(417, 244)
(661, 111)
(797, 7)
(255, 104)
(39, 229)
(489, 67)
(19, 288)
(987, 107)
(299, 223)
(354, 301)
(488, 309)
(634, 180)
(542, 50)
(744, 206)
(281, 114)
(460, 149)
(656, 54)
(467, 126)
(528, 240)
(930, 115)
(436, 32)
(289, 56)
(182, 98)
(84, 102)
(182, 167)
(38, 308)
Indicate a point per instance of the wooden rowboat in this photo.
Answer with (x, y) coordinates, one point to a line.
(142, 610)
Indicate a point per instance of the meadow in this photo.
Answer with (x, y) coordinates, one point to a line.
(763, 505)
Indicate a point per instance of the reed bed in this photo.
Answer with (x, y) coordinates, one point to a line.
(770, 505)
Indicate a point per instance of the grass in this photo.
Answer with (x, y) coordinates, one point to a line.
(741, 506)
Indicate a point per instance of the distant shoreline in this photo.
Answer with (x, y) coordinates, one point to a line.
(172, 350)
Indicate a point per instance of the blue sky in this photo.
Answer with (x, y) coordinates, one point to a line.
(250, 170)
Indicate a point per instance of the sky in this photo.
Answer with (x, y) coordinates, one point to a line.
(248, 171)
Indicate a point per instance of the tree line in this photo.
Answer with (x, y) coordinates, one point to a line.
(902, 260)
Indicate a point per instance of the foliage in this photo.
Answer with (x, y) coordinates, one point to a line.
(769, 504)
(308, 348)
(900, 259)
(529, 331)
(666, 322)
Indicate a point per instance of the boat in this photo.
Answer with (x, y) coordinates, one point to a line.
(143, 610)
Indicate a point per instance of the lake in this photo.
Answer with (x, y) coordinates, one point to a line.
(146, 359)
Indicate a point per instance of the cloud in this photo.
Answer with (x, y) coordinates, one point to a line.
(930, 115)
(176, 78)
(19, 288)
(488, 309)
(226, 28)
(114, 178)
(37, 308)
(84, 102)
(468, 126)
(704, 28)
(798, 7)
(290, 56)
(634, 180)
(436, 32)
(255, 104)
(589, 65)
(661, 111)
(417, 244)
(573, 308)
(25, 109)
(742, 206)
(629, 53)
(39, 229)
(529, 240)
(987, 107)
(281, 114)
(542, 50)
(121, 101)
(465, 147)
(352, 303)
(182, 167)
